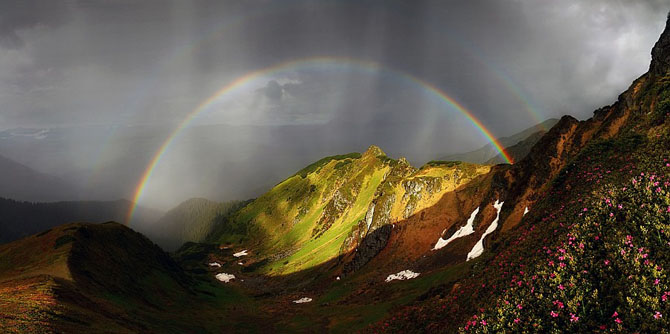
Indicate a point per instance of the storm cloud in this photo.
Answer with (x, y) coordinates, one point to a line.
(121, 63)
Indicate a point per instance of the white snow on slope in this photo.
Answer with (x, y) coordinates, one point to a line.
(303, 300)
(369, 215)
(478, 249)
(463, 231)
(225, 278)
(401, 276)
(525, 211)
(215, 264)
(242, 253)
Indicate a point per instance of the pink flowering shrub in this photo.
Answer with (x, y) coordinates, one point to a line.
(615, 277)
(591, 256)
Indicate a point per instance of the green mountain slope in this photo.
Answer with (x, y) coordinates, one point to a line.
(191, 221)
(326, 209)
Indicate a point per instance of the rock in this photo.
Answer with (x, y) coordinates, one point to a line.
(372, 244)
(660, 54)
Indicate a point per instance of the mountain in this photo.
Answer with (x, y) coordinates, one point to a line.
(23, 183)
(191, 221)
(591, 255)
(100, 278)
(571, 238)
(19, 219)
(517, 145)
(327, 209)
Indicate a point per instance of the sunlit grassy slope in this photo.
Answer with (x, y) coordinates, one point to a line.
(321, 211)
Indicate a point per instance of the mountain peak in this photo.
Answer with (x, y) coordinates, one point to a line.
(374, 151)
(660, 54)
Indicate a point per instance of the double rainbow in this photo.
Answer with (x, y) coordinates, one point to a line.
(312, 62)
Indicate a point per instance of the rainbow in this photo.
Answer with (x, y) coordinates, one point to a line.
(318, 62)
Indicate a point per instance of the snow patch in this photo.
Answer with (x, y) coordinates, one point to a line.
(215, 264)
(303, 300)
(242, 253)
(525, 211)
(463, 231)
(478, 249)
(401, 276)
(369, 215)
(225, 278)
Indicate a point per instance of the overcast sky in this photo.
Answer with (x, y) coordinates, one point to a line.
(133, 62)
(512, 63)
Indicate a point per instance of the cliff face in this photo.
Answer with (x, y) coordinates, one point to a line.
(660, 54)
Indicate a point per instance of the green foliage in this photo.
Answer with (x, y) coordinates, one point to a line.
(194, 220)
(317, 165)
(609, 273)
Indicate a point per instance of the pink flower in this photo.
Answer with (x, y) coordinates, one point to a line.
(554, 314)
(519, 306)
(658, 315)
(607, 262)
(574, 318)
(617, 320)
(615, 314)
(656, 281)
(483, 322)
(561, 287)
(517, 320)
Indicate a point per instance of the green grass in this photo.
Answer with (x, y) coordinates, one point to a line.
(314, 167)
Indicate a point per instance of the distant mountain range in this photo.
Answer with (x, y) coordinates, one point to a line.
(517, 145)
(20, 182)
(19, 219)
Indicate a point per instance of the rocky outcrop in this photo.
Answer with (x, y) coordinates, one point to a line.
(369, 247)
(660, 54)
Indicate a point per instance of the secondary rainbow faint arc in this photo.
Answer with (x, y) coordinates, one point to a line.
(240, 81)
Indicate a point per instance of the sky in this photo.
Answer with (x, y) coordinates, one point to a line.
(120, 63)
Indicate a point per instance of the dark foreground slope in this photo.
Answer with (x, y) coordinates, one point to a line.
(100, 278)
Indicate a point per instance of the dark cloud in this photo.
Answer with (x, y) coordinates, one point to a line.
(273, 90)
(127, 63)
(18, 15)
